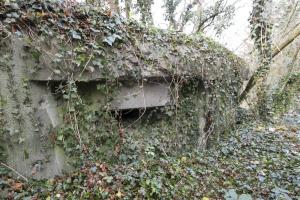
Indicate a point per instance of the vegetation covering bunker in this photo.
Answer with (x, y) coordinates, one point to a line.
(68, 72)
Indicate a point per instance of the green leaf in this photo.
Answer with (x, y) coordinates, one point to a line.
(75, 35)
(108, 179)
(26, 154)
(245, 197)
(231, 195)
(110, 40)
(60, 137)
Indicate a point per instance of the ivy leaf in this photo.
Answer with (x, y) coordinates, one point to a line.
(231, 195)
(15, 6)
(75, 35)
(13, 15)
(110, 40)
(95, 30)
(97, 63)
(60, 137)
(245, 197)
(108, 179)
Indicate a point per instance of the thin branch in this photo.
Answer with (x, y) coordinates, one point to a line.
(15, 171)
(220, 9)
(292, 14)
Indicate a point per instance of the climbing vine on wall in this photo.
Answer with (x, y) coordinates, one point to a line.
(73, 45)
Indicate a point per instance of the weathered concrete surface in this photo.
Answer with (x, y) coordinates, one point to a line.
(31, 113)
(36, 54)
(52, 160)
(131, 95)
(143, 96)
(30, 117)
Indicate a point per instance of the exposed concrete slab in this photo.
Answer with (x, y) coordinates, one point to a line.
(46, 74)
(128, 96)
(53, 161)
(30, 118)
(143, 96)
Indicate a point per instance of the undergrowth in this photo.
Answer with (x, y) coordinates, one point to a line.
(257, 161)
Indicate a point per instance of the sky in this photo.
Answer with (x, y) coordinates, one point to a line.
(233, 38)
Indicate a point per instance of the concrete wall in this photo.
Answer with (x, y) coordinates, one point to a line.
(33, 113)
(30, 116)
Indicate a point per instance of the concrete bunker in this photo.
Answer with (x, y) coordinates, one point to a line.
(129, 99)
(60, 88)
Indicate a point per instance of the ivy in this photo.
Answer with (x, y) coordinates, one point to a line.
(287, 90)
(75, 43)
(257, 161)
(261, 29)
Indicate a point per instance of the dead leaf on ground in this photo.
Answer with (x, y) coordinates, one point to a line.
(17, 186)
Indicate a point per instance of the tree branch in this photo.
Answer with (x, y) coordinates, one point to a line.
(252, 81)
(289, 39)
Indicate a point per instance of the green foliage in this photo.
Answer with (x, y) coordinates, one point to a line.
(255, 162)
(171, 6)
(205, 79)
(116, 50)
(112, 39)
(3, 133)
(99, 134)
(144, 8)
(91, 135)
(285, 94)
(87, 135)
(261, 30)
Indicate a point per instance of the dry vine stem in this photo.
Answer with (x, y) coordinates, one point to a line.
(15, 171)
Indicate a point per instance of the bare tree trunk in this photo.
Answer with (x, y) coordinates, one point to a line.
(117, 7)
(114, 6)
(288, 40)
(278, 48)
(128, 4)
(261, 34)
(292, 14)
